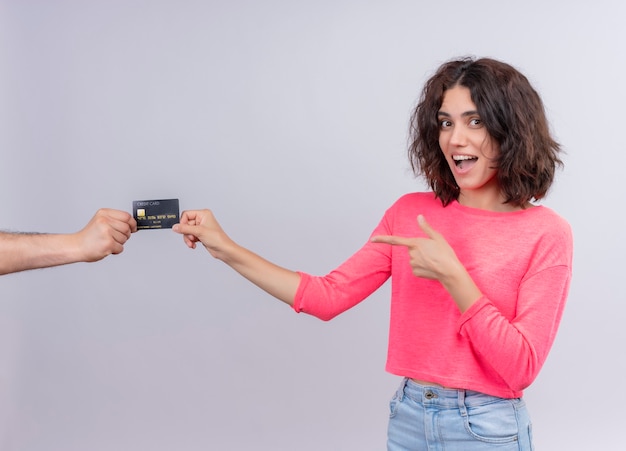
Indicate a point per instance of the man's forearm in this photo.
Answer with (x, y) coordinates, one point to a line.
(23, 251)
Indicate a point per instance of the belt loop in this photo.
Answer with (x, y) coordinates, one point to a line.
(400, 392)
(461, 401)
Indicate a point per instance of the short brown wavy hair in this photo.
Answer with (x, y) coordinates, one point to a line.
(514, 117)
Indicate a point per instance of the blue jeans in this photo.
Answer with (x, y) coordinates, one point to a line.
(437, 419)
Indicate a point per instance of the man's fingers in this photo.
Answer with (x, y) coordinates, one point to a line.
(123, 227)
(120, 236)
(120, 221)
(117, 247)
(120, 215)
(393, 240)
(133, 225)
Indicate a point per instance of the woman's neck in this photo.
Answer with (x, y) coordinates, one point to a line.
(491, 201)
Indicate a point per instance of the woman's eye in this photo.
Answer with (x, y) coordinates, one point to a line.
(445, 123)
(476, 122)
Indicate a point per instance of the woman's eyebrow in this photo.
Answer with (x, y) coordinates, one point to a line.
(467, 113)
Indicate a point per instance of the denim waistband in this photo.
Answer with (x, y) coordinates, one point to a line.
(443, 397)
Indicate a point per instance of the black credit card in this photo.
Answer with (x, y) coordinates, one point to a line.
(156, 214)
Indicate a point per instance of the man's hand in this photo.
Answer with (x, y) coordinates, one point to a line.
(105, 234)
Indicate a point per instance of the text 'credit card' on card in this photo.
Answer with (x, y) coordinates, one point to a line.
(156, 214)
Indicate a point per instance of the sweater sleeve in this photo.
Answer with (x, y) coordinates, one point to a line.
(517, 348)
(347, 285)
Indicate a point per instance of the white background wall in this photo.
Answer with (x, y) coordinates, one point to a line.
(289, 120)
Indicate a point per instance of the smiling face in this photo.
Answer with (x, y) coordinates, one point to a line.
(469, 150)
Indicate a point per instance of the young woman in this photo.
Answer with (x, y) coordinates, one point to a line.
(480, 274)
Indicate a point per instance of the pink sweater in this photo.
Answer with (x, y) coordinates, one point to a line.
(522, 263)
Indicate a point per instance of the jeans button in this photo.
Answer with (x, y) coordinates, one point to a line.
(430, 395)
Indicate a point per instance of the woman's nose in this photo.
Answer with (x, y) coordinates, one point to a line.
(459, 136)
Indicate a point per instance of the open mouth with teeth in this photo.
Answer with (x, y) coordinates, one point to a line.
(464, 161)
